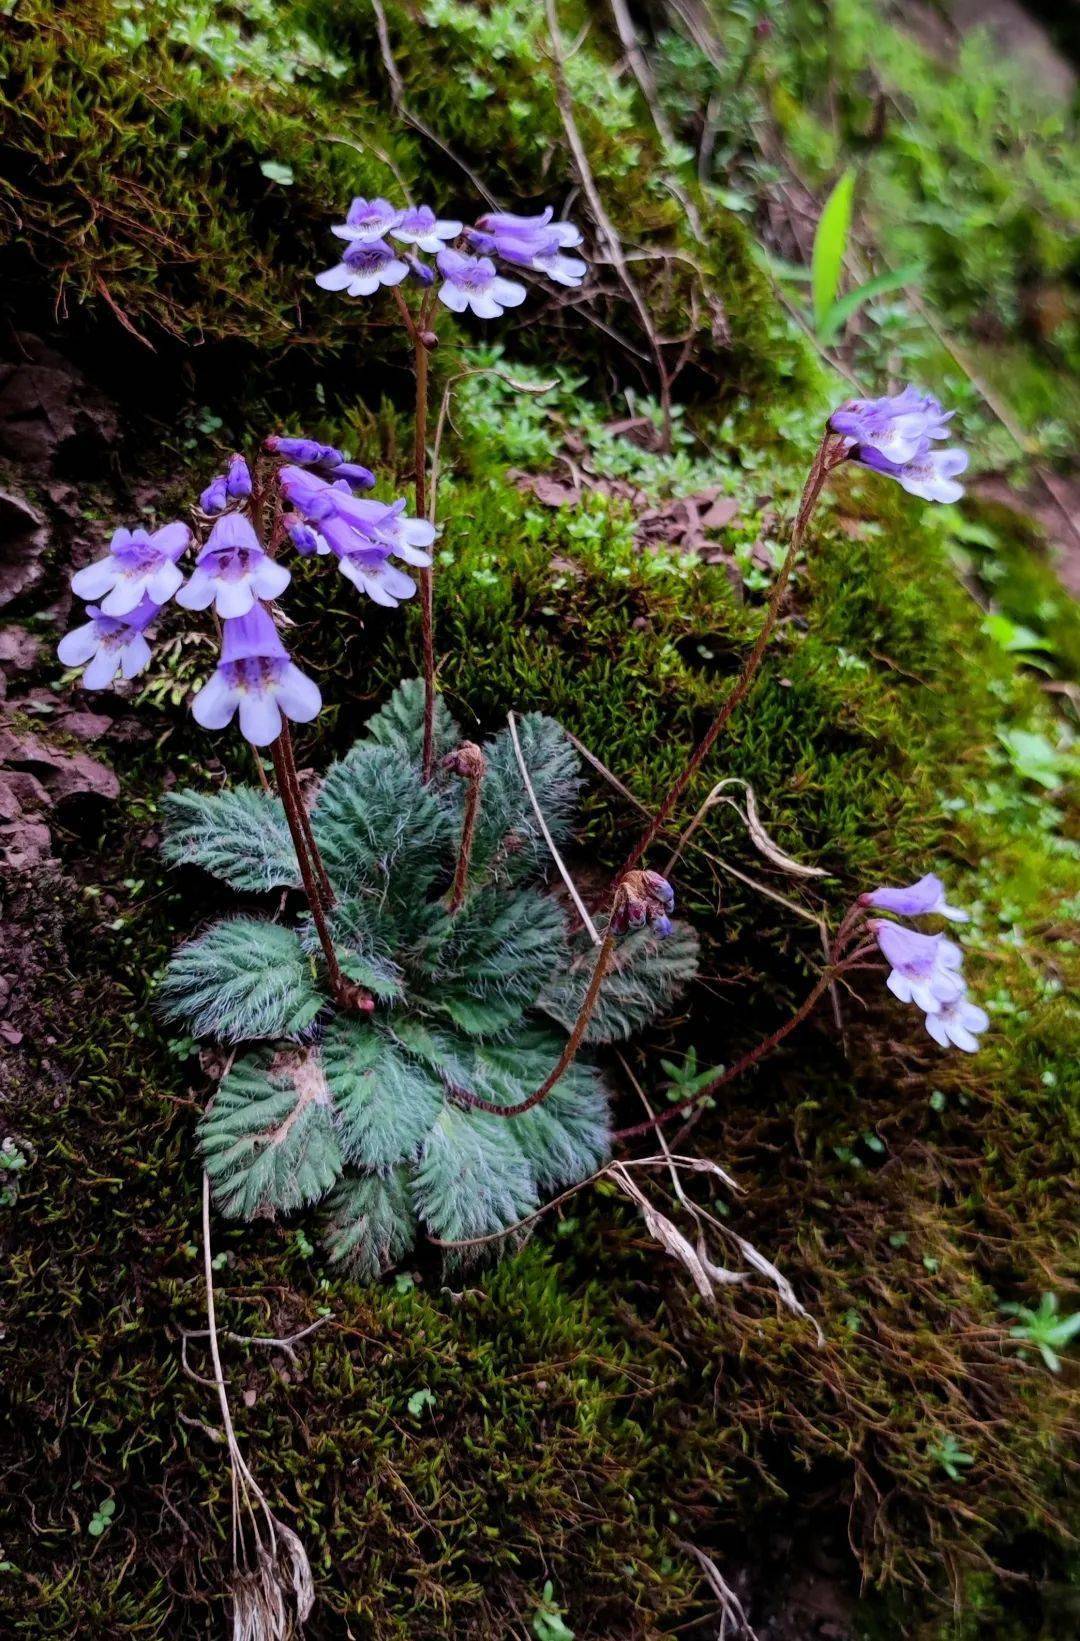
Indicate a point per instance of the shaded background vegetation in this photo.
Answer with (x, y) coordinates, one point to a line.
(169, 173)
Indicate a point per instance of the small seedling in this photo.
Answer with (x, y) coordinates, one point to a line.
(951, 1456)
(1044, 1328)
(101, 1520)
(548, 1623)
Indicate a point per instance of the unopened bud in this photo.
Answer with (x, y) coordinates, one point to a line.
(429, 340)
(467, 761)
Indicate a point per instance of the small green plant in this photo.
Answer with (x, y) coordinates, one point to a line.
(1044, 1328)
(365, 1108)
(948, 1453)
(101, 1520)
(548, 1623)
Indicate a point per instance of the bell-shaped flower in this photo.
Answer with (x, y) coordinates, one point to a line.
(232, 572)
(958, 1022)
(256, 677)
(917, 900)
(531, 242)
(137, 566)
(367, 220)
(503, 225)
(474, 282)
(925, 968)
(929, 474)
(420, 226)
(365, 266)
(369, 568)
(895, 426)
(388, 526)
(109, 644)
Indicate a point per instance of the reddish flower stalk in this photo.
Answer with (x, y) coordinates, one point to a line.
(830, 453)
(423, 340)
(840, 960)
(467, 761)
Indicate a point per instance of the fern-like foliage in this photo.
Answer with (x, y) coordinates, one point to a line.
(371, 1112)
(239, 835)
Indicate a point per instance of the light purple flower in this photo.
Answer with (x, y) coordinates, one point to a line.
(351, 524)
(473, 282)
(420, 226)
(369, 568)
(930, 474)
(232, 572)
(389, 527)
(531, 242)
(925, 968)
(368, 220)
(895, 426)
(918, 900)
(324, 458)
(137, 566)
(255, 675)
(215, 498)
(958, 1022)
(365, 266)
(238, 479)
(109, 644)
(305, 540)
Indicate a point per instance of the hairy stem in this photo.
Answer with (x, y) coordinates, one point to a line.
(293, 806)
(468, 831)
(830, 452)
(566, 1058)
(325, 887)
(427, 576)
(838, 963)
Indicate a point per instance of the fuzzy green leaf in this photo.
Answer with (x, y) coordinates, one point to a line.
(240, 835)
(377, 824)
(370, 1223)
(646, 976)
(268, 1141)
(473, 1177)
(244, 978)
(400, 723)
(364, 956)
(501, 952)
(508, 840)
(386, 1103)
(568, 1135)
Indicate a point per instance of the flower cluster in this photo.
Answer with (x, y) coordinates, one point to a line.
(643, 898)
(465, 258)
(364, 535)
(926, 969)
(138, 575)
(896, 435)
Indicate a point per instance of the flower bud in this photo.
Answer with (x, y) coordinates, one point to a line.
(238, 480)
(419, 271)
(215, 497)
(303, 538)
(467, 761)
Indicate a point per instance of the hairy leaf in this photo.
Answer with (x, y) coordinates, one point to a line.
(268, 1141)
(386, 1102)
(568, 1135)
(240, 835)
(473, 1177)
(377, 824)
(244, 978)
(508, 840)
(400, 723)
(370, 1222)
(501, 952)
(359, 931)
(646, 976)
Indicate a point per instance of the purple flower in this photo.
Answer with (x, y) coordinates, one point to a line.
(918, 900)
(420, 226)
(532, 242)
(324, 458)
(109, 644)
(238, 479)
(369, 569)
(419, 272)
(925, 968)
(232, 572)
(137, 566)
(895, 427)
(930, 474)
(958, 1022)
(366, 265)
(659, 889)
(473, 282)
(215, 498)
(305, 540)
(368, 220)
(640, 898)
(256, 676)
(341, 517)
(389, 527)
